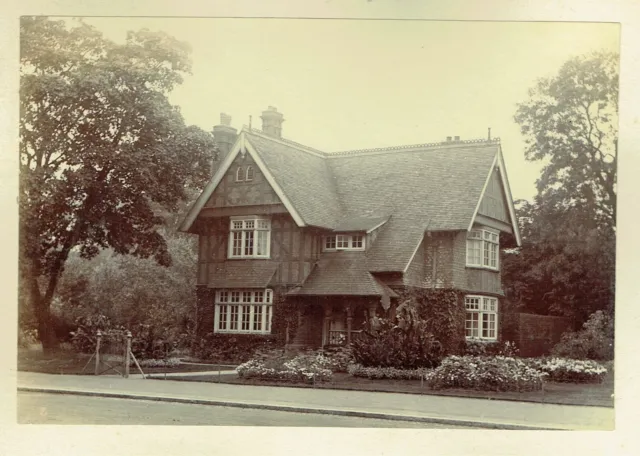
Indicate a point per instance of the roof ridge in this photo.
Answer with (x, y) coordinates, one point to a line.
(287, 142)
(433, 145)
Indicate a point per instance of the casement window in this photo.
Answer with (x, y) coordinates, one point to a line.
(249, 237)
(249, 174)
(239, 174)
(243, 311)
(481, 320)
(483, 249)
(344, 242)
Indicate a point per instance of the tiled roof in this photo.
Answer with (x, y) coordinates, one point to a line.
(360, 223)
(434, 188)
(428, 186)
(242, 274)
(304, 176)
(342, 273)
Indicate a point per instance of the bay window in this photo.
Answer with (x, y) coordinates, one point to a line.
(243, 311)
(481, 320)
(483, 249)
(249, 237)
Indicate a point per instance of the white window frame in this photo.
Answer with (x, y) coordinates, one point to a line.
(481, 317)
(333, 242)
(239, 174)
(483, 249)
(245, 232)
(243, 311)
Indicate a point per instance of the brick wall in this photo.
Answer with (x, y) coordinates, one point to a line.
(534, 335)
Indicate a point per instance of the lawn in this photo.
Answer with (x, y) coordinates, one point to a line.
(554, 393)
(68, 362)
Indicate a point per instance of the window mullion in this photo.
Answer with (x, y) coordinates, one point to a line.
(251, 312)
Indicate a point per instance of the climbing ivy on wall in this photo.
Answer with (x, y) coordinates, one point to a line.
(443, 310)
(285, 315)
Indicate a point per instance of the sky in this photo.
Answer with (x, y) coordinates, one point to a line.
(353, 84)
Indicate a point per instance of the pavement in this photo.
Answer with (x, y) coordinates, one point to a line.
(482, 413)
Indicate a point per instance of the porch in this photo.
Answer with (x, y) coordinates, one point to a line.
(335, 320)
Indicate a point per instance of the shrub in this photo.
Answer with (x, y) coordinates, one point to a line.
(303, 368)
(169, 362)
(404, 343)
(570, 370)
(479, 347)
(339, 358)
(27, 337)
(485, 373)
(391, 373)
(232, 348)
(595, 341)
(84, 338)
(443, 313)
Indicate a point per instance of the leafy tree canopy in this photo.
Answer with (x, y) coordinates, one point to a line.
(566, 265)
(100, 148)
(570, 123)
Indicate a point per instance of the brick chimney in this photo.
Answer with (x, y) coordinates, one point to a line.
(272, 122)
(224, 135)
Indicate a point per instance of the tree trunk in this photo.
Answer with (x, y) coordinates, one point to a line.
(41, 305)
(46, 330)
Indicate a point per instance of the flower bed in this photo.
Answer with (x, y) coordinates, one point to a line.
(570, 370)
(379, 373)
(302, 368)
(497, 373)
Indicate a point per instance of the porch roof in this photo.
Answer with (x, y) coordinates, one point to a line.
(242, 274)
(342, 273)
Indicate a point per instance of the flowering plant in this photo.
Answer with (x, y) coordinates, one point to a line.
(570, 370)
(498, 373)
(302, 368)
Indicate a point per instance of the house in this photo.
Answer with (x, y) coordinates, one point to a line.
(328, 239)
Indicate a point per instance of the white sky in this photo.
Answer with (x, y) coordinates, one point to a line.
(351, 84)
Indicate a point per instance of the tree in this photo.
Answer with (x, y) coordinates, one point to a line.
(571, 123)
(100, 148)
(566, 265)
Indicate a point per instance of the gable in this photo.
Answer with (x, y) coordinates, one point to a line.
(494, 202)
(231, 192)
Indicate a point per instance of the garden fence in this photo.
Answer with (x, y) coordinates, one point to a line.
(113, 353)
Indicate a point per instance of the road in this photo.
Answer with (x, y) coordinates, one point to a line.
(42, 408)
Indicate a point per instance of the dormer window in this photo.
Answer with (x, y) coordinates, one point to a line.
(249, 174)
(239, 174)
(344, 242)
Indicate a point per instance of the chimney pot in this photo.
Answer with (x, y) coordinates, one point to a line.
(224, 135)
(225, 119)
(272, 122)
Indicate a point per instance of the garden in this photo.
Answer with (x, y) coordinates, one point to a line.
(401, 356)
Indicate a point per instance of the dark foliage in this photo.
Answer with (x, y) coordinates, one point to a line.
(403, 343)
(232, 348)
